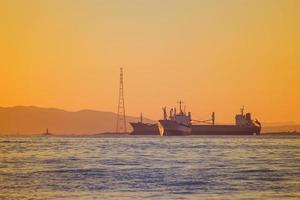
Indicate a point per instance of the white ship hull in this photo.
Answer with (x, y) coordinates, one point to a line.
(173, 128)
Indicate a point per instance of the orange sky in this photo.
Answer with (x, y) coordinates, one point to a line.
(214, 55)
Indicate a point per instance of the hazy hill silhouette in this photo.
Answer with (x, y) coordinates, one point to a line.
(34, 120)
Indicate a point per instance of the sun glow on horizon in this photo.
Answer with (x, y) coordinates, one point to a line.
(215, 55)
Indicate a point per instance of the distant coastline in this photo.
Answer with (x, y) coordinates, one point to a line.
(282, 133)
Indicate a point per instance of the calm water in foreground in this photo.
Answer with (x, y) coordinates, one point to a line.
(203, 167)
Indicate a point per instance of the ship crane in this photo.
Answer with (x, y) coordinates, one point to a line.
(207, 121)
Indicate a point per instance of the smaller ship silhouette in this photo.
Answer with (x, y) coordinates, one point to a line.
(141, 128)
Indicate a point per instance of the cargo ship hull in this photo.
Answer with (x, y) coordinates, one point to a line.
(172, 128)
(225, 130)
(140, 128)
(153, 129)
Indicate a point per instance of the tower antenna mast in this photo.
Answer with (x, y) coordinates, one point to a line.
(121, 117)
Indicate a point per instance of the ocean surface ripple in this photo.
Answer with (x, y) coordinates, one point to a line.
(150, 167)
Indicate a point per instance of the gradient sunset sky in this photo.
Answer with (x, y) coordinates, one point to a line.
(215, 55)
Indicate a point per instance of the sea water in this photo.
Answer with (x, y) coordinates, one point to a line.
(150, 167)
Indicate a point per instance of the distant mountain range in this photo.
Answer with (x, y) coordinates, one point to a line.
(35, 120)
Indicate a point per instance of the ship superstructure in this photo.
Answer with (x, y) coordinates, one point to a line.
(176, 124)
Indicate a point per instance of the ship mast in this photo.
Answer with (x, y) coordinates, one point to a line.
(165, 112)
(242, 110)
(180, 110)
(213, 117)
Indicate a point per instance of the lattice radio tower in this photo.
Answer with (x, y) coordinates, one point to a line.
(121, 118)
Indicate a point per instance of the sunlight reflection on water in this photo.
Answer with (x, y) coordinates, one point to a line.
(206, 167)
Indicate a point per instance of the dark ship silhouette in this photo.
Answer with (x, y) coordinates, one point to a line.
(140, 128)
(244, 125)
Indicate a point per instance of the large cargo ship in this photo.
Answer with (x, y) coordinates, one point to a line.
(176, 124)
(244, 125)
(141, 128)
